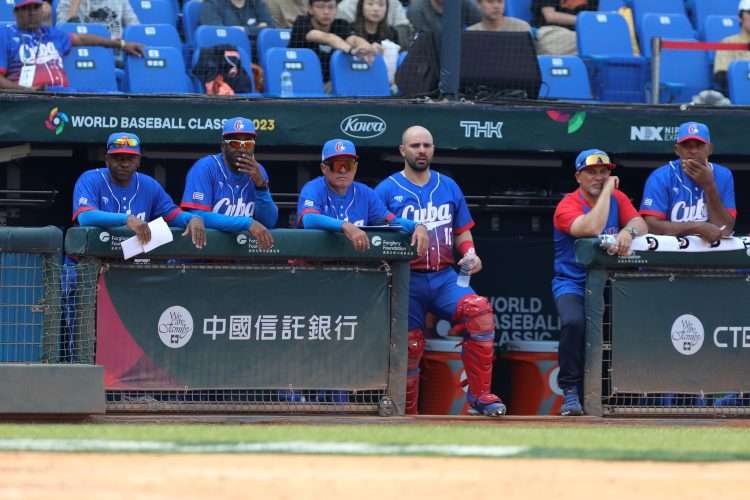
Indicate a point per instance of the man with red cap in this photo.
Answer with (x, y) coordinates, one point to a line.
(31, 55)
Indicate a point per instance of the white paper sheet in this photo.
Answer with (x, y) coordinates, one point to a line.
(160, 235)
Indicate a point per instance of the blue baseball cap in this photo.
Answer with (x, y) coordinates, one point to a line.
(694, 130)
(238, 125)
(593, 157)
(123, 142)
(338, 147)
(21, 3)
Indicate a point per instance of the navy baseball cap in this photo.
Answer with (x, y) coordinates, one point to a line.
(338, 147)
(694, 130)
(593, 157)
(124, 143)
(238, 125)
(21, 3)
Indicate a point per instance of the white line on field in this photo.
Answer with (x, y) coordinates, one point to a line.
(297, 447)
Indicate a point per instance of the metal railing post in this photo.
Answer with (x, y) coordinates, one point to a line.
(655, 68)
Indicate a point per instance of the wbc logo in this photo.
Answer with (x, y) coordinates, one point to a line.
(340, 147)
(238, 125)
(692, 129)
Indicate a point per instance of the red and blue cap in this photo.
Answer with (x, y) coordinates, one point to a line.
(21, 3)
(593, 157)
(123, 143)
(693, 130)
(239, 125)
(338, 147)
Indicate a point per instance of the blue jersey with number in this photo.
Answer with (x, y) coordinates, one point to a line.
(359, 206)
(213, 187)
(439, 205)
(143, 197)
(670, 194)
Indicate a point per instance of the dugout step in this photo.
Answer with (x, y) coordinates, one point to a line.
(59, 389)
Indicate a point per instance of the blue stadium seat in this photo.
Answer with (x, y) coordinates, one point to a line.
(210, 36)
(670, 26)
(86, 29)
(304, 67)
(6, 11)
(271, 37)
(160, 71)
(191, 13)
(353, 77)
(91, 69)
(155, 11)
(704, 8)
(564, 77)
(683, 74)
(611, 5)
(717, 28)
(738, 81)
(643, 7)
(604, 45)
(519, 8)
(157, 35)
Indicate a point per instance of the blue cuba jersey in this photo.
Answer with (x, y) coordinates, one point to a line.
(359, 206)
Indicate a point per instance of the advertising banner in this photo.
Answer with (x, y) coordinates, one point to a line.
(678, 333)
(232, 327)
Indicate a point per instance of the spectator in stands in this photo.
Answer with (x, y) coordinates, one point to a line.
(335, 202)
(725, 57)
(395, 16)
(494, 18)
(115, 14)
(31, 54)
(427, 15)
(596, 207)
(320, 31)
(284, 12)
(371, 23)
(118, 195)
(233, 186)
(250, 15)
(556, 20)
(690, 195)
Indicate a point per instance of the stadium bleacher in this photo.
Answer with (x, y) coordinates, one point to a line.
(564, 77)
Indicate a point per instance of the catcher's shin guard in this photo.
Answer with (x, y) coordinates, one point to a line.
(415, 342)
(474, 316)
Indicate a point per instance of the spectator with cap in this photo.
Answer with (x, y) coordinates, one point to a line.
(321, 32)
(119, 195)
(690, 195)
(726, 57)
(494, 18)
(233, 184)
(336, 202)
(115, 14)
(31, 54)
(597, 207)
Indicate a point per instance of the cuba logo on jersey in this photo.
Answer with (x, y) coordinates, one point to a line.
(224, 206)
(682, 212)
(431, 216)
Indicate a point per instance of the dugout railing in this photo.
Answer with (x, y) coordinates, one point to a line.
(667, 332)
(308, 326)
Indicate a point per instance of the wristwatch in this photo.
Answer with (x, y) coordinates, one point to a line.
(633, 231)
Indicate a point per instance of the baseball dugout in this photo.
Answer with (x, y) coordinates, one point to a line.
(308, 326)
(667, 328)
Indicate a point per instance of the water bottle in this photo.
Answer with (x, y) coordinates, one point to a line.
(463, 273)
(287, 88)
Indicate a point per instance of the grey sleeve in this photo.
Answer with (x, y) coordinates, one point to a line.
(263, 14)
(396, 14)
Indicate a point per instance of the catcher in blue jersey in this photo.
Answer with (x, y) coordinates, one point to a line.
(118, 195)
(690, 195)
(434, 200)
(233, 183)
(336, 202)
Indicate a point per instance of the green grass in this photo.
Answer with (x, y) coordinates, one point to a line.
(610, 442)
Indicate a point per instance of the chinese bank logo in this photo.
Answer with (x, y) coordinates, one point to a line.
(574, 121)
(175, 327)
(56, 120)
(687, 334)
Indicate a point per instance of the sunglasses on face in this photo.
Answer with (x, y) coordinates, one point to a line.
(240, 144)
(341, 164)
(124, 141)
(597, 159)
